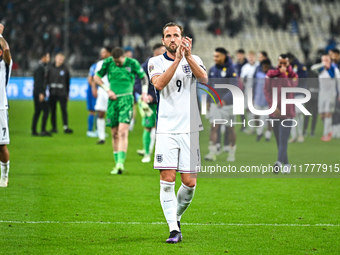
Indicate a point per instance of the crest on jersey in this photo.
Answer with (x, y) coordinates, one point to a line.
(186, 69)
(62, 73)
(151, 68)
(159, 158)
(224, 72)
(128, 69)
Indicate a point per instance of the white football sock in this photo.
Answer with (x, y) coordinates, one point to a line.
(268, 134)
(184, 198)
(259, 130)
(327, 125)
(293, 132)
(212, 149)
(169, 204)
(153, 140)
(4, 170)
(300, 119)
(250, 116)
(101, 128)
(132, 124)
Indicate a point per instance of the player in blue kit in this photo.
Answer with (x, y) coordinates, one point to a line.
(90, 102)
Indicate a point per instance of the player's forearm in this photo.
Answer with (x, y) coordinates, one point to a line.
(145, 84)
(90, 80)
(316, 67)
(99, 81)
(5, 48)
(161, 81)
(197, 70)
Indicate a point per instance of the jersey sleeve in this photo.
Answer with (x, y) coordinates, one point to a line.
(200, 62)
(154, 67)
(244, 71)
(138, 70)
(92, 70)
(101, 68)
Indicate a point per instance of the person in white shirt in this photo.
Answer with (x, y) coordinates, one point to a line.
(101, 95)
(174, 75)
(5, 72)
(329, 83)
(247, 78)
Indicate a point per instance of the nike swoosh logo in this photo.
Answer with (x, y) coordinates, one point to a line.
(167, 201)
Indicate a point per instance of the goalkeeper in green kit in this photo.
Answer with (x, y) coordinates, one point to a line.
(121, 72)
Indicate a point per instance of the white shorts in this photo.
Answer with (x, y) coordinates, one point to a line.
(102, 100)
(180, 152)
(4, 137)
(225, 112)
(326, 102)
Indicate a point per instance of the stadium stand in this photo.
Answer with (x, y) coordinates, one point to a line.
(137, 23)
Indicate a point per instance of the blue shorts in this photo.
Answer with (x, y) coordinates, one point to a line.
(90, 99)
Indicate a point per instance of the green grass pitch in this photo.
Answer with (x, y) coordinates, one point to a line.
(62, 199)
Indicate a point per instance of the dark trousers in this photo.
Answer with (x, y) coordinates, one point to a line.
(226, 135)
(38, 107)
(312, 107)
(281, 135)
(63, 106)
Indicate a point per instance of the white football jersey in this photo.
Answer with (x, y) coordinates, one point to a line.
(327, 85)
(177, 110)
(5, 74)
(104, 79)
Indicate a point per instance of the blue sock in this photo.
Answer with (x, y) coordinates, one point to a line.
(90, 121)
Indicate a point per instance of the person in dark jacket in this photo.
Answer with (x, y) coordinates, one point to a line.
(58, 79)
(281, 77)
(39, 95)
(301, 70)
(223, 72)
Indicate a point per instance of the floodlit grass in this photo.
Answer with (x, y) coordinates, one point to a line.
(62, 199)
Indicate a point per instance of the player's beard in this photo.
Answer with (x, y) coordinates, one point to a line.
(171, 50)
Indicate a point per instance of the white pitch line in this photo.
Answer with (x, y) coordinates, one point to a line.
(163, 223)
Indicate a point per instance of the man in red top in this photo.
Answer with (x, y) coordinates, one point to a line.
(282, 76)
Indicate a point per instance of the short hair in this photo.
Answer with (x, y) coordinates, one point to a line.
(173, 24)
(117, 52)
(107, 48)
(222, 50)
(43, 54)
(128, 48)
(157, 46)
(264, 53)
(266, 62)
(283, 56)
(290, 56)
(336, 51)
(251, 52)
(60, 53)
(241, 51)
